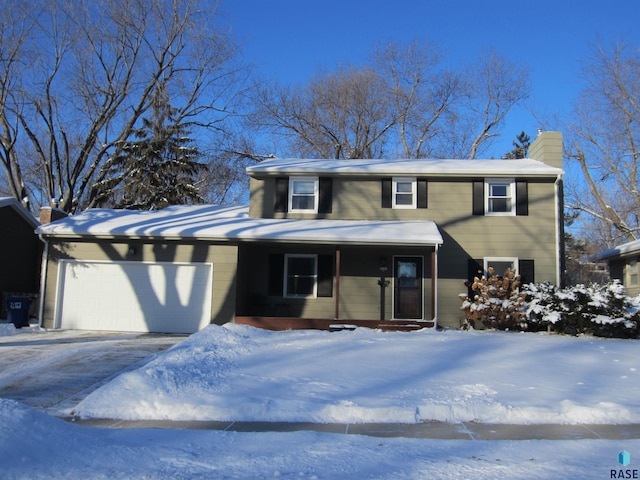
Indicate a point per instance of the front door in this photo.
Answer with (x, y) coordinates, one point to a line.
(407, 287)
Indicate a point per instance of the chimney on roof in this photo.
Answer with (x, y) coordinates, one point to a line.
(51, 213)
(547, 148)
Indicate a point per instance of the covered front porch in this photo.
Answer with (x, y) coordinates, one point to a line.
(284, 286)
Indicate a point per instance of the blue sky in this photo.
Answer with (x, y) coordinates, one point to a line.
(290, 40)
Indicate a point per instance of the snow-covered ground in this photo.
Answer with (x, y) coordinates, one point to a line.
(240, 373)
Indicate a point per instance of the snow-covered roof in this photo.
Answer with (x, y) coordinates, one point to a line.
(18, 207)
(621, 250)
(426, 167)
(208, 222)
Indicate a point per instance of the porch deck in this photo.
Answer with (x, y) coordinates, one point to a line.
(294, 323)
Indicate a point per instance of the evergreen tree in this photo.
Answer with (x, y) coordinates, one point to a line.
(156, 169)
(520, 147)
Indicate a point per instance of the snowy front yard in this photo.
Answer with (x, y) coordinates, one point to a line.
(240, 373)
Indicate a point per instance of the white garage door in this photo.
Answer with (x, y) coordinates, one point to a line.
(134, 296)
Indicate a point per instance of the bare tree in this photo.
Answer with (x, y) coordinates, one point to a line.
(339, 115)
(83, 75)
(603, 138)
(493, 87)
(421, 92)
(15, 30)
(405, 103)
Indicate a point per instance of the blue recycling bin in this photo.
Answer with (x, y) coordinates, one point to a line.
(18, 311)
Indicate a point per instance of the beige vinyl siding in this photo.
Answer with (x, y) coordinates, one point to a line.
(465, 236)
(223, 258)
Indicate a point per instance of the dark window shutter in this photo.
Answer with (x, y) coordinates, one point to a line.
(422, 193)
(478, 197)
(276, 274)
(325, 275)
(325, 192)
(475, 268)
(282, 195)
(386, 193)
(522, 198)
(526, 271)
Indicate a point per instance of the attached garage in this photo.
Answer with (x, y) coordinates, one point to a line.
(134, 296)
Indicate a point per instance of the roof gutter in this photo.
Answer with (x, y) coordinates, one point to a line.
(43, 278)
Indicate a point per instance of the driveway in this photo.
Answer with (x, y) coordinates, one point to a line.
(52, 371)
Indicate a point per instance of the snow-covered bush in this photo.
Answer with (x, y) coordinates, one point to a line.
(601, 310)
(496, 302)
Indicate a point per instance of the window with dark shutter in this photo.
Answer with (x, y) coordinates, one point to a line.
(386, 193)
(325, 275)
(282, 195)
(475, 268)
(478, 197)
(422, 193)
(325, 191)
(276, 274)
(526, 271)
(522, 198)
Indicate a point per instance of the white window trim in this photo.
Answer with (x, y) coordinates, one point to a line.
(285, 290)
(632, 269)
(514, 261)
(316, 194)
(414, 191)
(511, 195)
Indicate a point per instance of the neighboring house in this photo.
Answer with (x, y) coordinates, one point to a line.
(20, 252)
(623, 265)
(323, 243)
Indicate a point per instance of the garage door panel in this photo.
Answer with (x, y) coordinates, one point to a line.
(133, 296)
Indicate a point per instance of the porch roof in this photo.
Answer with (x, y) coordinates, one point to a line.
(629, 248)
(215, 223)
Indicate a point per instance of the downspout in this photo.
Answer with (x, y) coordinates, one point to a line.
(337, 267)
(434, 288)
(559, 192)
(43, 278)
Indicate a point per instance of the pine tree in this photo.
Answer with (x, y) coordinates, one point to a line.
(156, 169)
(520, 147)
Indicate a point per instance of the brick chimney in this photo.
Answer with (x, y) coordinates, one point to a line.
(51, 213)
(547, 148)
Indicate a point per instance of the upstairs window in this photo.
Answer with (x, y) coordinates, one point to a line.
(303, 194)
(499, 197)
(404, 192)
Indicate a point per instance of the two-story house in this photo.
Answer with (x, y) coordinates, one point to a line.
(381, 243)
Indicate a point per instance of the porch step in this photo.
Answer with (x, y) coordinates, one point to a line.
(294, 323)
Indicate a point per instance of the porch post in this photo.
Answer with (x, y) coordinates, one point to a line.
(434, 284)
(337, 312)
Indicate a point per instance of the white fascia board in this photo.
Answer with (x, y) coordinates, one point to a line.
(419, 167)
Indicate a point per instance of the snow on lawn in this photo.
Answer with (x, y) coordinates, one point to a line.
(35, 446)
(239, 373)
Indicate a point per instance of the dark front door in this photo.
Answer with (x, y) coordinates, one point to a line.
(407, 287)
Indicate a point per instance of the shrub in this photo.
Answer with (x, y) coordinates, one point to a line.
(497, 302)
(600, 310)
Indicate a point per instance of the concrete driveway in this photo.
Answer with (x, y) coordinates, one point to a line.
(53, 370)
